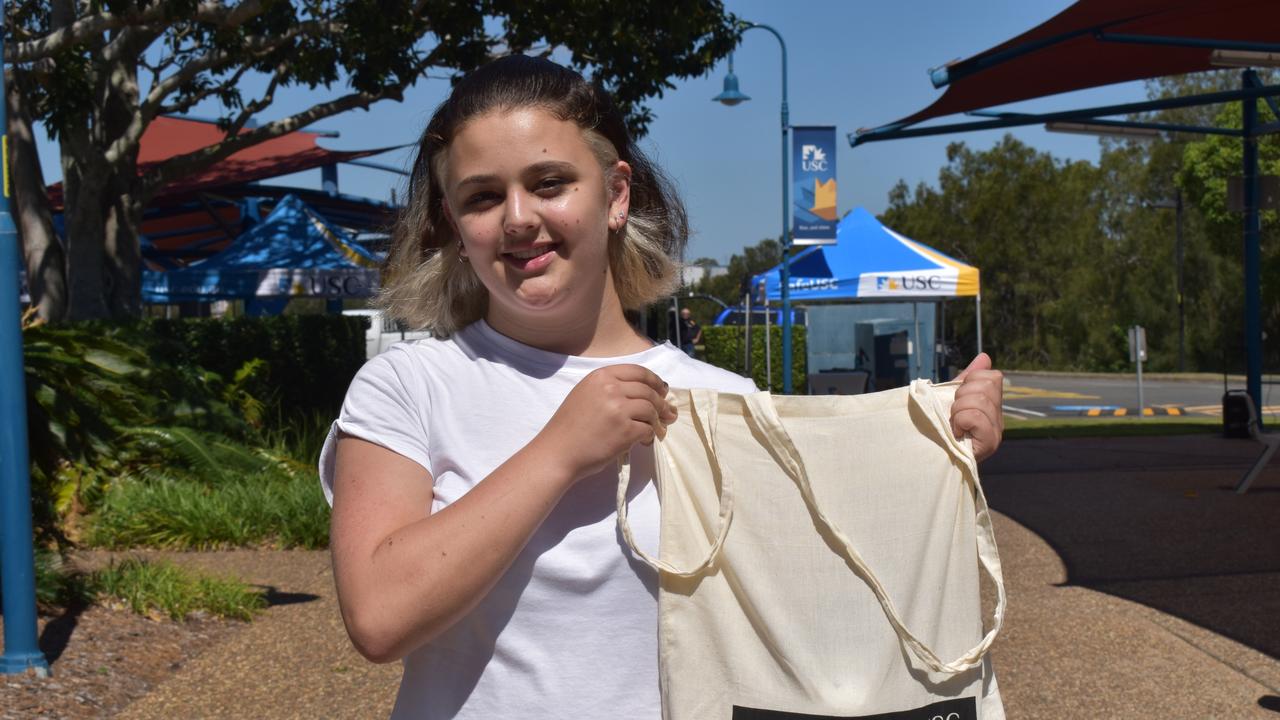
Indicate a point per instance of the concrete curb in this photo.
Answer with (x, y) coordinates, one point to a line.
(1237, 380)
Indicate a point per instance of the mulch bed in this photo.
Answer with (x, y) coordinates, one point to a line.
(101, 659)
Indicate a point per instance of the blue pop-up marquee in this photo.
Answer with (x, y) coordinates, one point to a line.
(872, 262)
(293, 252)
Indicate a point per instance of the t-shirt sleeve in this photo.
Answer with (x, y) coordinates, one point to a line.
(384, 405)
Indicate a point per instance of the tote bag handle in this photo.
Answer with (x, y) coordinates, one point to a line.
(921, 394)
(704, 413)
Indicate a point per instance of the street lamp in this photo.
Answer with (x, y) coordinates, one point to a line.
(732, 96)
(1176, 206)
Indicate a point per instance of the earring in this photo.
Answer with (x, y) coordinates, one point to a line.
(461, 257)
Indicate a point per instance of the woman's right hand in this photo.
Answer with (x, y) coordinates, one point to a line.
(609, 411)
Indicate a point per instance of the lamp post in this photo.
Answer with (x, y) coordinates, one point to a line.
(732, 96)
(1176, 206)
(17, 563)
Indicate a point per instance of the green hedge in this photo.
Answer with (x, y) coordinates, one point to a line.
(724, 347)
(310, 359)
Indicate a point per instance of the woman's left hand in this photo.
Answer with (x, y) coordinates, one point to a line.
(978, 408)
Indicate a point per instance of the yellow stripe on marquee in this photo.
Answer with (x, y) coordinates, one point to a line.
(967, 280)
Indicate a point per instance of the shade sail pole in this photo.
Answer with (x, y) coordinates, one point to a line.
(978, 319)
(915, 336)
(1252, 252)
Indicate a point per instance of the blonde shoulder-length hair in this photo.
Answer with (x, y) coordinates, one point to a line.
(425, 286)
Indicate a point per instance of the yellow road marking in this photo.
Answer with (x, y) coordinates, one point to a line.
(1217, 409)
(1018, 392)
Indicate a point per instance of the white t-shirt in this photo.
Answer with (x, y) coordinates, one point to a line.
(570, 631)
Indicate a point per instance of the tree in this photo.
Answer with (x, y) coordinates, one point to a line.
(1028, 222)
(1073, 253)
(731, 286)
(1206, 166)
(97, 73)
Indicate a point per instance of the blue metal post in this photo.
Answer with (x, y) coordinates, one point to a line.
(17, 561)
(1252, 253)
(785, 271)
(329, 178)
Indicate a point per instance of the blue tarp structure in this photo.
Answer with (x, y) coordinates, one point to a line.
(872, 262)
(293, 252)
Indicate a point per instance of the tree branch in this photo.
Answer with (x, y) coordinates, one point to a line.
(261, 103)
(214, 13)
(255, 46)
(187, 103)
(132, 39)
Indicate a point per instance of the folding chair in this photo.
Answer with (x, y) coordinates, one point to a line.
(1270, 441)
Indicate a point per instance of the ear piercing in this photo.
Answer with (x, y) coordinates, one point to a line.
(462, 258)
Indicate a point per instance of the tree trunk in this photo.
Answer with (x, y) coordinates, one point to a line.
(84, 184)
(84, 177)
(124, 265)
(41, 249)
(124, 211)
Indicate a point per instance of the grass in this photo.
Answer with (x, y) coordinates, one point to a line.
(147, 588)
(150, 588)
(204, 492)
(273, 508)
(1109, 427)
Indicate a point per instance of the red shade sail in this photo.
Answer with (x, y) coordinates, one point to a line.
(1079, 48)
(168, 137)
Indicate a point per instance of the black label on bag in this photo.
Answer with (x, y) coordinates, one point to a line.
(958, 709)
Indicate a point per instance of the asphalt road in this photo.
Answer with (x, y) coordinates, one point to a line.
(1031, 395)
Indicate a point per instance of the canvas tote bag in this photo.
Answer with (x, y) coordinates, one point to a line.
(819, 558)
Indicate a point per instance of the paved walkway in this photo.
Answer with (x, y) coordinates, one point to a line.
(294, 661)
(1139, 587)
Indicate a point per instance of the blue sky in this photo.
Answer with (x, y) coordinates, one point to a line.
(851, 64)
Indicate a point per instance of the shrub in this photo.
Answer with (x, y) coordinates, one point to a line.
(81, 389)
(725, 345)
(107, 401)
(307, 360)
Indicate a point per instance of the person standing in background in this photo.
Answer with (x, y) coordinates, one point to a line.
(690, 333)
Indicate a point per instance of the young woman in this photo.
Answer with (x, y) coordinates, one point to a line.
(472, 475)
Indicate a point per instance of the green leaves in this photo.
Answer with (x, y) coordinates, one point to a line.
(724, 346)
(128, 403)
(1029, 222)
(82, 387)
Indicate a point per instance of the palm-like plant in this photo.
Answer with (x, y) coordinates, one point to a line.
(82, 388)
